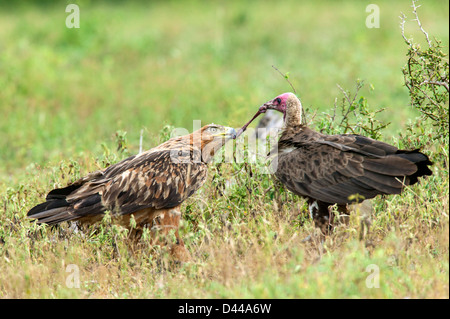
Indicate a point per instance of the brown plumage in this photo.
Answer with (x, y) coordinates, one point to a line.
(150, 186)
(331, 169)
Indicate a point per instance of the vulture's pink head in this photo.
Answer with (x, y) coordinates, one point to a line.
(286, 103)
(279, 103)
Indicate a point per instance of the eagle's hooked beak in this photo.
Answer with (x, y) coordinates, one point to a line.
(228, 132)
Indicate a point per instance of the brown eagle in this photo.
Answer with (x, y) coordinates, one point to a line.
(331, 169)
(149, 186)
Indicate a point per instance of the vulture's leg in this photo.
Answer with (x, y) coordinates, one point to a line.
(344, 215)
(322, 214)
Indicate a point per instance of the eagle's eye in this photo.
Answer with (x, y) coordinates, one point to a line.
(213, 130)
(278, 100)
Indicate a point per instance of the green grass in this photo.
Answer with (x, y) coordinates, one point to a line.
(131, 66)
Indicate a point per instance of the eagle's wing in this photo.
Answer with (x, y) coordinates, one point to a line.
(332, 168)
(151, 179)
(155, 180)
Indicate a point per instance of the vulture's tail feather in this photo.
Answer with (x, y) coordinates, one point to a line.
(420, 160)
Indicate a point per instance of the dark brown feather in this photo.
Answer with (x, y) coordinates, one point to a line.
(331, 168)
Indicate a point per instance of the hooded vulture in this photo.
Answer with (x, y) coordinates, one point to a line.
(149, 186)
(337, 169)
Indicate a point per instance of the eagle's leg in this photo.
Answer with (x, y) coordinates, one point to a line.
(167, 222)
(322, 215)
(135, 234)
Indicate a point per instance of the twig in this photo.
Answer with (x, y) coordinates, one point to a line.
(444, 84)
(418, 21)
(429, 98)
(334, 110)
(350, 102)
(402, 26)
(313, 116)
(410, 189)
(295, 91)
(286, 77)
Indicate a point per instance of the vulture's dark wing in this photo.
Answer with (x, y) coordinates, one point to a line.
(332, 168)
(151, 179)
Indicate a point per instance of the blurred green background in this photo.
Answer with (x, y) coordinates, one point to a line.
(142, 65)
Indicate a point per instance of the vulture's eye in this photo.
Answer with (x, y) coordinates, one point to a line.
(278, 100)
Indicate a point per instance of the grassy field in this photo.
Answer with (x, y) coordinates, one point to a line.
(69, 96)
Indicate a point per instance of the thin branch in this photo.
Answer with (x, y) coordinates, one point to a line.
(295, 91)
(286, 77)
(444, 84)
(418, 21)
(402, 26)
(429, 98)
(334, 110)
(350, 101)
(312, 118)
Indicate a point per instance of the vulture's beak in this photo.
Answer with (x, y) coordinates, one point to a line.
(262, 109)
(267, 106)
